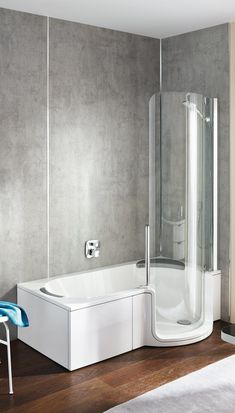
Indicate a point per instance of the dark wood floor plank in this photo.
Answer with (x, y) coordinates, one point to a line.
(42, 386)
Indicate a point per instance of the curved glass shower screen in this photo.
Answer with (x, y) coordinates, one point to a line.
(181, 207)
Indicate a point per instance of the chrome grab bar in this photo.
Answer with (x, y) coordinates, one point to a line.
(147, 254)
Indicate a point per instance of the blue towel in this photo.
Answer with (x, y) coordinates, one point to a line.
(15, 313)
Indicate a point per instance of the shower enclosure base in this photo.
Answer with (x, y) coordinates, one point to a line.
(159, 331)
(167, 333)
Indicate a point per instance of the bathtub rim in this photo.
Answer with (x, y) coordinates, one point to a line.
(75, 303)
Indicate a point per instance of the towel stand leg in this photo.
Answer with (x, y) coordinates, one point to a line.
(8, 344)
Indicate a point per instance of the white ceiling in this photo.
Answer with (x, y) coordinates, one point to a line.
(155, 18)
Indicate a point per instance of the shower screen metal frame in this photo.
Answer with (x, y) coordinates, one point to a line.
(215, 185)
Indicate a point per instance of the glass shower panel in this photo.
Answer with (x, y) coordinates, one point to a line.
(207, 184)
(155, 174)
(173, 174)
(194, 201)
(181, 190)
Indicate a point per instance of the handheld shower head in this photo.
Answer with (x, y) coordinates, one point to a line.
(193, 106)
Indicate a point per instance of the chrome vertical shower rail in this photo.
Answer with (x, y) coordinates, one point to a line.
(147, 254)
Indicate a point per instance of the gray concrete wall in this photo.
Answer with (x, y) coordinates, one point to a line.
(100, 84)
(199, 62)
(22, 149)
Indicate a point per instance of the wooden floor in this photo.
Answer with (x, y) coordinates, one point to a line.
(43, 386)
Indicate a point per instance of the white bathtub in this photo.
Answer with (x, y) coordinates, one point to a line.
(97, 283)
(79, 319)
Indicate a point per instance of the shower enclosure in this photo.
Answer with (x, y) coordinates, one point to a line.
(101, 313)
(182, 215)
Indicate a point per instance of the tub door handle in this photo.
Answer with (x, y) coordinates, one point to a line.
(147, 254)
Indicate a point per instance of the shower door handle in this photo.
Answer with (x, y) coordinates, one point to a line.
(147, 254)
